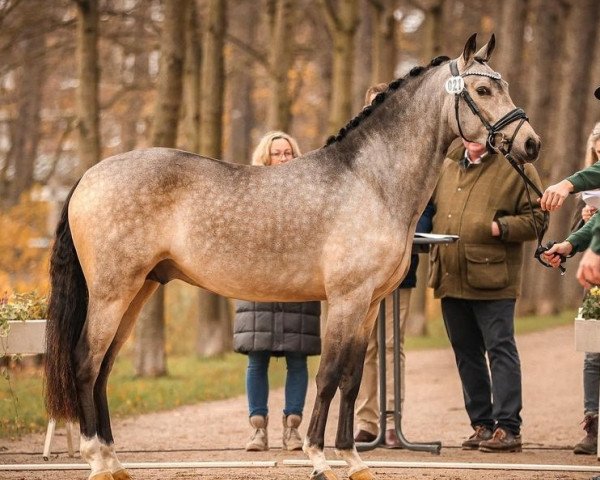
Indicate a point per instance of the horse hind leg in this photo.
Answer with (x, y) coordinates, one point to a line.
(344, 316)
(349, 386)
(92, 358)
(100, 397)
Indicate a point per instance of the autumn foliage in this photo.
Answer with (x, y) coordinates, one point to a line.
(24, 251)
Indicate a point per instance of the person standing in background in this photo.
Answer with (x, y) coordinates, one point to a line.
(274, 329)
(367, 410)
(579, 241)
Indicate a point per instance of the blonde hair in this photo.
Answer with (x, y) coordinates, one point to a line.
(591, 156)
(374, 90)
(262, 152)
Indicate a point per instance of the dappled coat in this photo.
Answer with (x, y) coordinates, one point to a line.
(277, 327)
(467, 201)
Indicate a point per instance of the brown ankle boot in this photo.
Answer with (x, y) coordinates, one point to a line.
(291, 437)
(480, 434)
(502, 441)
(588, 444)
(259, 441)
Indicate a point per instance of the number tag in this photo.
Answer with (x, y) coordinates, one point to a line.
(455, 85)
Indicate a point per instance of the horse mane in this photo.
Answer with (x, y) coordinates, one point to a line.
(381, 97)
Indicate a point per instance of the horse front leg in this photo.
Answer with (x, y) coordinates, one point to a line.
(349, 387)
(344, 317)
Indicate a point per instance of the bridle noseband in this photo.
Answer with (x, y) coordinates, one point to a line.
(456, 86)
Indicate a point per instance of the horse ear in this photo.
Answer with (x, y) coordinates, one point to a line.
(467, 56)
(485, 53)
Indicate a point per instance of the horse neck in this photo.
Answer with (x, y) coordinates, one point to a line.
(403, 144)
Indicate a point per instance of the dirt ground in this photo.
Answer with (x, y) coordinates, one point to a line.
(552, 378)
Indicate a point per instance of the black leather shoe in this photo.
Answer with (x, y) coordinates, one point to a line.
(364, 437)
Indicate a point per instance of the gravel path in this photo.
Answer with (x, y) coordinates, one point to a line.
(434, 411)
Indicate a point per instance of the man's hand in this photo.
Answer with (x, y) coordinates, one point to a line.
(495, 229)
(555, 195)
(552, 255)
(588, 272)
(587, 212)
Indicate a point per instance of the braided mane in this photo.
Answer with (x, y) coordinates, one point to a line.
(380, 98)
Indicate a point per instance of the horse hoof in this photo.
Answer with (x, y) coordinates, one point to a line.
(364, 474)
(102, 476)
(121, 475)
(324, 475)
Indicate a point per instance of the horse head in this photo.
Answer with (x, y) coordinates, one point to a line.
(483, 110)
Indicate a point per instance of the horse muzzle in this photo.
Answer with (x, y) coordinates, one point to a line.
(532, 148)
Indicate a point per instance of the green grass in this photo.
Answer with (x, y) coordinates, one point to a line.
(190, 380)
(437, 338)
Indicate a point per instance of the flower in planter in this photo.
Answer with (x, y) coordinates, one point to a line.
(21, 306)
(590, 309)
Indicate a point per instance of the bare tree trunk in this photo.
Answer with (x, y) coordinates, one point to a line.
(215, 323)
(592, 107)
(342, 23)
(280, 62)
(170, 85)
(416, 322)
(150, 329)
(244, 20)
(27, 133)
(213, 80)
(568, 141)
(363, 60)
(191, 80)
(150, 358)
(385, 50)
(433, 29)
(129, 124)
(509, 58)
(547, 42)
(88, 107)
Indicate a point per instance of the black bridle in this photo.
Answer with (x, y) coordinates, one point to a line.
(455, 85)
(494, 130)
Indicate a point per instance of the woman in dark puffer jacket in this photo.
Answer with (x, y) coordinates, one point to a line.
(265, 329)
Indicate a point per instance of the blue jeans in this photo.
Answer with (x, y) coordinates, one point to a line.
(257, 383)
(591, 382)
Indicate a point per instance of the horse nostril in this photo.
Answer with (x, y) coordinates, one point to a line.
(532, 147)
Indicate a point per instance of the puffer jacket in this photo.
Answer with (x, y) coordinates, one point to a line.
(277, 327)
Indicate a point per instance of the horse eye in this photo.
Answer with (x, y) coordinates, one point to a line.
(483, 91)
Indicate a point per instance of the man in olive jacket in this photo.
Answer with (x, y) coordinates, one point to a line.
(480, 198)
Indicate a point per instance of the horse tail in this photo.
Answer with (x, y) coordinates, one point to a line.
(67, 310)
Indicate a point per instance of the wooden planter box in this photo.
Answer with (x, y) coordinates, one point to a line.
(587, 335)
(24, 337)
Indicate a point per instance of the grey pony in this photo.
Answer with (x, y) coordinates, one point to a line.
(342, 232)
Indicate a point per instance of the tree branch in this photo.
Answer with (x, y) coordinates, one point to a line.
(71, 124)
(258, 56)
(8, 7)
(333, 22)
(377, 5)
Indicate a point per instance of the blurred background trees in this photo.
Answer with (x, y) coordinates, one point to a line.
(81, 80)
